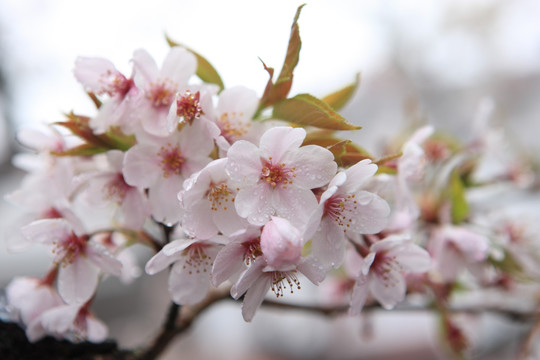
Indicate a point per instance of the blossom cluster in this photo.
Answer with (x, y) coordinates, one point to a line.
(255, 192)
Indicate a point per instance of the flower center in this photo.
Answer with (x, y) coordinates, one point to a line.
(283, 279)
(196, 259)
(161, 94)
(114, 83)
(252, 250)
(116, 188)
(338, 207)
(188, 106)
(219, 197)
(171, 160)
(277, 174)
(384, 266)
(69, 248)
(231, 127)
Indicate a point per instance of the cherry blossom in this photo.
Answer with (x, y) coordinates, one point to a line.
(108, 187)
(31, 297)
(276, 178)
(159, 86)
(79, 258)
(455, 248)
(191, 259)
(100, 76)
(208, 201)
(344, 207)
(162, 164)
(74, 322)
(382, 271)
(277, 266)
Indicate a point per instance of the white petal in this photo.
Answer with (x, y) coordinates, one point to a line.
(179, 65)
(164, 202)
(59, 319)
(312, 269)
(188, 286)
(145, 67)
(388, 289)
(278, 140)
(47, 231)
(255, 204)
(359, 294)
(78, 281)
(96, 330)
(369, 213)
(412, 257)
(328, 244)
(103, 258)
(141, 166)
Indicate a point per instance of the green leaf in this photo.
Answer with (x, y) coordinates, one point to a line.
(460, 207)
(346, 153)
(307, 110)
(509, 265)
(279, 90)
(339, 98)
(82, 150)
(205, 71)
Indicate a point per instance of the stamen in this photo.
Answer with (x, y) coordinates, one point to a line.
(188, 106)
(171, 160)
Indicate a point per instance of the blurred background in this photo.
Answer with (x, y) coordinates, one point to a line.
(417, 58)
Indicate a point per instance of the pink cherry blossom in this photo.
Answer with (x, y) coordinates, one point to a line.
(162, 164)
(31, 297)
(208, 201)
(345, 207)
(383, 268)
(159, 86)
(456, 248)
(410, 168)
(108, 187)
(74, 322)
(191, 259)
(276, 178)
(79, 258)
(278, 268)
(100, 76)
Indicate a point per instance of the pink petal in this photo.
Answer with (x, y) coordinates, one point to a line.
(359, 294)
(248, 278)
(179, 65)
(244, 165)
(314, 166)
(99, 255)
(357, 175)
(145, 67)
(47, 231)
(141, 166)
(369, 214)
(328, 244)
(78, 281)
(94, 73)
(228, 262)
(239, 100)
(293, 203)
(312, 269)
(278, 140)
(164, 202)
(254, 297)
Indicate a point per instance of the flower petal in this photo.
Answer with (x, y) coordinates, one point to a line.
(254, 297)
(78, 281)
(188, 287)
(103, 258)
